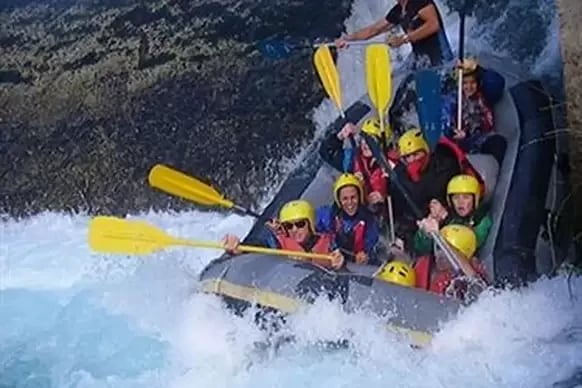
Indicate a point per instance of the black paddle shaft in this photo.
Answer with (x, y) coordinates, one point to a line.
(379, 156)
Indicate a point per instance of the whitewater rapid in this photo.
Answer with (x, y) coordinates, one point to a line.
(73, 318)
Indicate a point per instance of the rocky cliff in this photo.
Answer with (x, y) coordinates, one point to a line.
(95, 92)
(570, 16)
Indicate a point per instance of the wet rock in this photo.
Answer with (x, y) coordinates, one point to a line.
(118, 86)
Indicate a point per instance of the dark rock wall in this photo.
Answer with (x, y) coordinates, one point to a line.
(94, 93)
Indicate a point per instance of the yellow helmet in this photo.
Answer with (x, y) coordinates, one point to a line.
(372, 127)
(398, 272)
(464, 184)
(347, 180)
(462, 238)
(412, 141)
(297, 210)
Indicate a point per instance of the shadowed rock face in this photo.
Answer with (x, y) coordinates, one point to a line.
(94, 93)
(570, 14)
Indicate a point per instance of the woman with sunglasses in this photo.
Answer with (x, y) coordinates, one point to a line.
(294, 231)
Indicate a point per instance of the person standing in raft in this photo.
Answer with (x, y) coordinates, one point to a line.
(353, 225)
(424, 30)
(464, 207)
(441, 279)
(360, 161)
(294, 231)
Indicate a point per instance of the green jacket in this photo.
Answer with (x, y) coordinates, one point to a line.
(480, 221)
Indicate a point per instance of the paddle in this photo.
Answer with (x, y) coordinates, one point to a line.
(116, 235)
(378, 154)
(379, 78)
(329, 76)
(181, 185)
(429, 105)
(465, 9)
(280, 49)
(379, 83)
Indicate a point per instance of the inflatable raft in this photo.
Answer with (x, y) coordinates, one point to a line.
(524, 193)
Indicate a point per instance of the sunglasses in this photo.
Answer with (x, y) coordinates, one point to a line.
(299, 224)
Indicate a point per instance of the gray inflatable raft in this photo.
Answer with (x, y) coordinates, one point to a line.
(515, 251)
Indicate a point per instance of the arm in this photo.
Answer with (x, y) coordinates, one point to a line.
(422, 243)
(331, 151)
(349, 155)
(482, 230)
(430, 26)
(370, 31)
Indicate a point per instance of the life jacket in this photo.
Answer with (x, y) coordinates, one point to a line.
(374, 179)
(354, 240)
(322, 245)
(466, 166)
(422, 269)
(439, 281)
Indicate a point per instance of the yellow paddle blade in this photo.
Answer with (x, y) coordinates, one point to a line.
(328, 74)
(379, 76)
(116, 235)
(187, 187)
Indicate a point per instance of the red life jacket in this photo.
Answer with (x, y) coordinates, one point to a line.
(461, 156)
(422, 269)
(374, 179)
(355, 240)
(439, 281)
(323, 244)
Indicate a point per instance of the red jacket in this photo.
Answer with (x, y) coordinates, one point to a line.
(374, 179)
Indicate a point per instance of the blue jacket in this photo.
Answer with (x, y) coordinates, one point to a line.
(325, 223)
(340, 155)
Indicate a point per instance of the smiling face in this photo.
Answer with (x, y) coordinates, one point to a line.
(298, 230)
(469, 85)
(365, 149)
(349, 200)
(464, 204)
